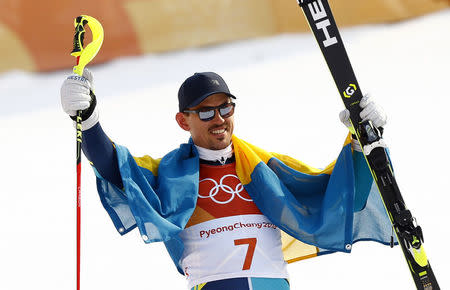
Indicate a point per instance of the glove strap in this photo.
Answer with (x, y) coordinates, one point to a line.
(85, 114)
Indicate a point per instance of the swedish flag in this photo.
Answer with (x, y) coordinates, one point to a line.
(318, 211)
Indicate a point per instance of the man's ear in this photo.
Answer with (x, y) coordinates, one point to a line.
(182, 122)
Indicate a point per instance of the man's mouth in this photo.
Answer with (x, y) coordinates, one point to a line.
(218, 131)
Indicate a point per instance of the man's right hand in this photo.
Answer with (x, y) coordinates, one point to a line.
(77, 95)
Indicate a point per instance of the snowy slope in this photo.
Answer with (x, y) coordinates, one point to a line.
(287, 102)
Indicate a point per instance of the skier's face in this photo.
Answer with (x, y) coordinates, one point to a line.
(214, 134)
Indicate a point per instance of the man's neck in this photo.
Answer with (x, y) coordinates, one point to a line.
(215, 155)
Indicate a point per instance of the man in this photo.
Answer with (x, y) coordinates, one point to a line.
(230, 214)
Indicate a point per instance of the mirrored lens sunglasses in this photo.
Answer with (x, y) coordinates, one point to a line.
(208, 113)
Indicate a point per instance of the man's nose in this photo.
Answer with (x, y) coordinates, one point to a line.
(217, 117)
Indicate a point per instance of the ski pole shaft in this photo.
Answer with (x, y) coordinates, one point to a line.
(84, 56)
(78, 146)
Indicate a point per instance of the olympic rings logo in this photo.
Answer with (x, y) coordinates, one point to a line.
(232, 192)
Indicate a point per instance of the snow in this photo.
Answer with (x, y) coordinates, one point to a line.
(287, 102)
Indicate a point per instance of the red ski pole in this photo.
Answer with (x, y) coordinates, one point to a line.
(84, 56)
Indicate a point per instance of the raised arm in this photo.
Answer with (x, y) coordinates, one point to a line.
(97, 147)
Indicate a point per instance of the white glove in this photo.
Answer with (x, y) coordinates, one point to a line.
(345, 118)
(370, 111)
(75, 96)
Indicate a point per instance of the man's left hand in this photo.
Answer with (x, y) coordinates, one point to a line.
(370, 111)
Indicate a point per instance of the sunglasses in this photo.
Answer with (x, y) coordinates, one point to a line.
(208, 113)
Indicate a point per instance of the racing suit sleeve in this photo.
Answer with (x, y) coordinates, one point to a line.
(100, 152)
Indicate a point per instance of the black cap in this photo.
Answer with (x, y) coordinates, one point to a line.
(198, 87)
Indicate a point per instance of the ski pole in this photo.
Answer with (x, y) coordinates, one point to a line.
(84, 56)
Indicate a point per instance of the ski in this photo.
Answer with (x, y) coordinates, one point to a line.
(409, 235)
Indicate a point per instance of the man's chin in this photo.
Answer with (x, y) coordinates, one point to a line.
(220, 144)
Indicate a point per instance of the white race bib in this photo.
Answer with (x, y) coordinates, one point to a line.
(230, 247)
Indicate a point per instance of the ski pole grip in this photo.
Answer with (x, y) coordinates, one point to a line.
(85, 55)
(78, 39)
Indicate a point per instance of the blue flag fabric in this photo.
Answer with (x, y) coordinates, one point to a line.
(326, 210)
